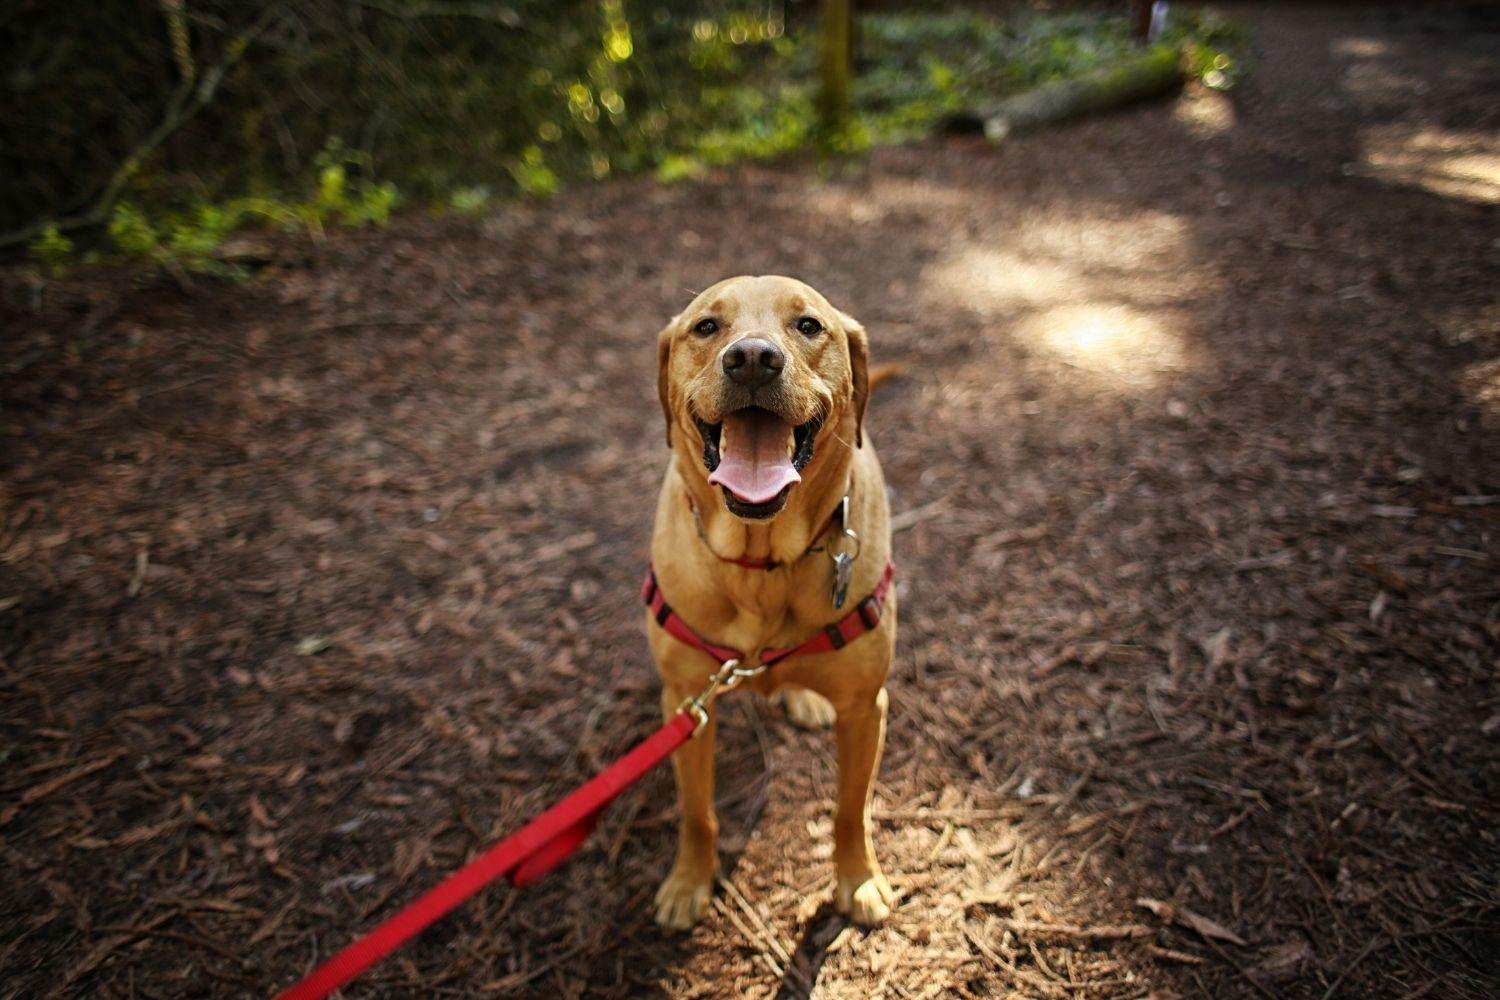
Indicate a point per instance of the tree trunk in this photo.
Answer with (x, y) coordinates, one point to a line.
(1140, 19)
(836, 63)
(1149, 75)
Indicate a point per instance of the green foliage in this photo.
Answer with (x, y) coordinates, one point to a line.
(181, 240)
(462, 105)
(532, 175)
(675, 167)
(189, 239)
(755, 88)
(132, 233)
(1212, 47)
(52, 250)
(924, 67)
(470, 200)
(353, 205)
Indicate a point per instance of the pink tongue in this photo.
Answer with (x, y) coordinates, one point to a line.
(753, 462)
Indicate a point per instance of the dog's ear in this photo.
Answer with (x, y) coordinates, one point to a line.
(859, 371)
(663, 361)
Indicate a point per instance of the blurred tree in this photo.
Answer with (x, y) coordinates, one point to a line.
(836, 64)
(1140, 19)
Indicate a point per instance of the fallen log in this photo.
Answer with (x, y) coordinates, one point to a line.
(1152, 74)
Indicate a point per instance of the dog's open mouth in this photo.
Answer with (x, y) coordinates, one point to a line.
(756, 457)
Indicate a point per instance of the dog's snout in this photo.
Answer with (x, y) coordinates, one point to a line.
(753, 362)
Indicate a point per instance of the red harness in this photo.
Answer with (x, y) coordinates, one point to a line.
(864, 618)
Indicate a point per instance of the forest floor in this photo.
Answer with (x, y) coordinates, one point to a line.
(313, 585)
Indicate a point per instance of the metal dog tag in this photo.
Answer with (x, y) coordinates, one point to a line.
(843, 570)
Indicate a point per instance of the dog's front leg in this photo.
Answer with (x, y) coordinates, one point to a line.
(684, 896)
(863, 891)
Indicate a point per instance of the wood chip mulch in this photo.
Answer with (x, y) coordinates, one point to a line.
(314, 585)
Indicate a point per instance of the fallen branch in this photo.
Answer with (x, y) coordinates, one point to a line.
(1150, 75)
(916, 515)
(1103, 932)
(1173, 955)
(46, 788)
(765, 935)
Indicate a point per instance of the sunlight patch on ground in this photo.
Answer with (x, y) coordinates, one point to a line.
(1360, 48)
(1100, 295)
(988, 280)
(1456, 164)
(1113, 342)
(1056, 260)
(1143, 239)
(1481, 383)
(902, 197)
(1206, 114)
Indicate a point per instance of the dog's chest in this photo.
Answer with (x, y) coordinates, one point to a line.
(778, 608)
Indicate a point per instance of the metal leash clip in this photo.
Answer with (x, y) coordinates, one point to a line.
(843, 562)
(728, 677)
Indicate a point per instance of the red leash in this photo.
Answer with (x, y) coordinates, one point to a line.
(547, 841)
(524, 857)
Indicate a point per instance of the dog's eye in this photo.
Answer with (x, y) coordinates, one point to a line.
(809, 327)
(706, 327)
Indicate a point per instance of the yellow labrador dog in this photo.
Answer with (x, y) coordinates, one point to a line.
(772, 488)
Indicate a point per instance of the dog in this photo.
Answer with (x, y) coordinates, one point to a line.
(773, 480)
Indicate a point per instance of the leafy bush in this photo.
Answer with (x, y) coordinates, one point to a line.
(1212, 47)
(189, 239)
(51, 249)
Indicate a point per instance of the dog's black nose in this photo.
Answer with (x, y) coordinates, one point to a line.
(753, 362)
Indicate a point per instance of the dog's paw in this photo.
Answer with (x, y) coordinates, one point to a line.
(808, 709)
(867, 902)
(681, 900)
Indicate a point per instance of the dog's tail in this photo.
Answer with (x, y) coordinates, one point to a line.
(881, 374)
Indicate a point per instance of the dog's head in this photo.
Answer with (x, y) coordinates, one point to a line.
(769, 379)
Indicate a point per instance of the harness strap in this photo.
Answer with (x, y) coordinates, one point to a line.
(673, 624)
(864, 618)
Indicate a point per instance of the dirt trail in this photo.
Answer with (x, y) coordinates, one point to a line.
(313, 586)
